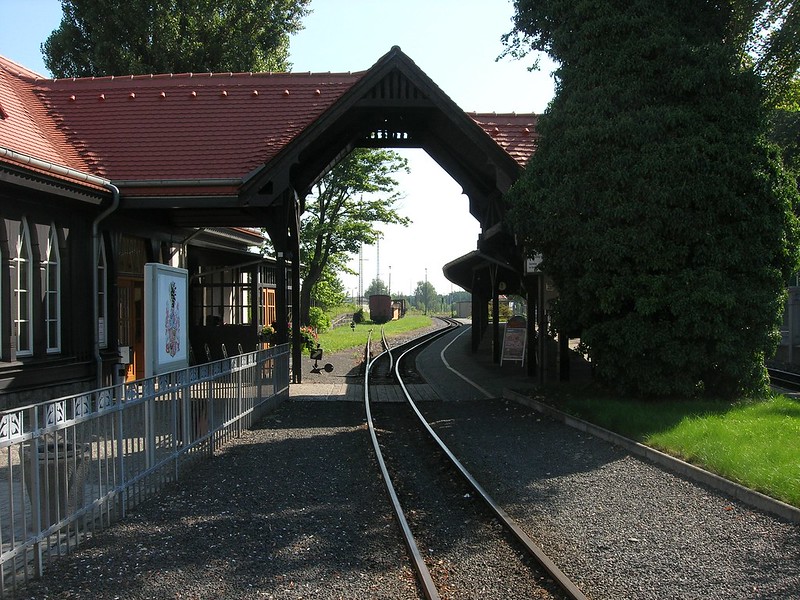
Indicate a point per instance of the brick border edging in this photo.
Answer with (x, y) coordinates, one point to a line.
(735, 490)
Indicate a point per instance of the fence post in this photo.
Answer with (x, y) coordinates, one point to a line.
(35, 493)
(149, 427)
(122, 487)
(186, 423)
(239, 399)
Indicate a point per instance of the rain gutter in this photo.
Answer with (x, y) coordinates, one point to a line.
(30, 161)
(178, 182)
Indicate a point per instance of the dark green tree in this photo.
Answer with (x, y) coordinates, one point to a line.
(376, 286)
(126, 37)
(664, 216)
(425, 297)
(342, 212)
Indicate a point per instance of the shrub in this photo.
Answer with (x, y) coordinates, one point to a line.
(319, 319)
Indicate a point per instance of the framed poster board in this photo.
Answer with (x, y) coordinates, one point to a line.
(166, 322)
(515, 340)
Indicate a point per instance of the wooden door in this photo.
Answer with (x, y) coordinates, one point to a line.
(270, 314)
(131, 324)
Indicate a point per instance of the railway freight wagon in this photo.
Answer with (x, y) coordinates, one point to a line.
(380, 308)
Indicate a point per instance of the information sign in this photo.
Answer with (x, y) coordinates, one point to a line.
(515, 340)
(166, 321)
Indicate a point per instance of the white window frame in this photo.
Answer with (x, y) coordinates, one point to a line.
(102, 295)
(23, 296)
(51, 265)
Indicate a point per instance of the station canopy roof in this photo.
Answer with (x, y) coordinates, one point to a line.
(217, 149)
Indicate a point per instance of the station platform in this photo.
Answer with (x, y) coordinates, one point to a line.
(462, 375)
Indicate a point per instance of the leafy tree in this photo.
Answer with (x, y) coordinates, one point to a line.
(342, 213)
(376, 286)
(769, 32)
(664, 217)
(786, 127)
(125, 37)
(425, 297)
(329, 291)
(460, 297)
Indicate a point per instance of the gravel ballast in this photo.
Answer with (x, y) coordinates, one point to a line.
(618, 526)
(295, 509)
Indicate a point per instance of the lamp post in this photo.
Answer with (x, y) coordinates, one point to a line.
(425, 292)
(390, 282)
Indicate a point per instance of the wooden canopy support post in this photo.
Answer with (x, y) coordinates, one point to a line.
(496, 346)
(477, 307)
(282, 225)
(531, 289)
(294, 242)
(563, 355)
(480, 310)
(275, 224)
(542, 328)
(281, 309)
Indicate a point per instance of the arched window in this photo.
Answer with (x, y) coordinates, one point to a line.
(102, 296)
(52, 292)
(22, 291)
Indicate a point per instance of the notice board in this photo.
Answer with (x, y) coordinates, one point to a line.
(165, 319)
(515, 340)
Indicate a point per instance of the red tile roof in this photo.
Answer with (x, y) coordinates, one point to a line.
(27, 129)
(211, 129)
(187, 127)
(514, 133)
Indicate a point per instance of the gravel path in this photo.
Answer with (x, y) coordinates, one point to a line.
(293, 509)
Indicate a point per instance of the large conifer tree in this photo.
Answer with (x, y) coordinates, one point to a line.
(128, 37)
(664, 216)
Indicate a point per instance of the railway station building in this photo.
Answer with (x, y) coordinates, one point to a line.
(99, 176)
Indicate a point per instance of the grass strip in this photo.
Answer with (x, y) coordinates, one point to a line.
(344, 338)
(755, 442)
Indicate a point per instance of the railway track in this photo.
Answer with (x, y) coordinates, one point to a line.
(461, 543)
(784, 379)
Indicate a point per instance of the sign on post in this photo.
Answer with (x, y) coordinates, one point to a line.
(515, 340)
(532, 264)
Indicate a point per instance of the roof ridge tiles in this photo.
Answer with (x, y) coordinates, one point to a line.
(192, 76)
(502, 114)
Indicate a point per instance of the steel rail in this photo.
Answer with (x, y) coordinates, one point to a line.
(558, 576)
(423, 574)
(784, 379)
(387, 348)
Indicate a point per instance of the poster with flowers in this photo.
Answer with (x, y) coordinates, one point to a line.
(166, 319)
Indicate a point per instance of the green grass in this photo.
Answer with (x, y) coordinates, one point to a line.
(755, 443)
(343, 338)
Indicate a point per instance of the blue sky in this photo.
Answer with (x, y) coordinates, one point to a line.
(455, 42)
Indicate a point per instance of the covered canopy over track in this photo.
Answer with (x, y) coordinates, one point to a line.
(244, 150)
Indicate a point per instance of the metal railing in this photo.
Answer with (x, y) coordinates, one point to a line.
(76, 464)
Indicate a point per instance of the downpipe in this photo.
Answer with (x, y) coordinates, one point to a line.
(98, 359)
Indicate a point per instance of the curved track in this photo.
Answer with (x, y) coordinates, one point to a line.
(522, 548)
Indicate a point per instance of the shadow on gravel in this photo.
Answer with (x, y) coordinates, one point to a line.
(292, 506)
(347, 365)
(488, 432)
